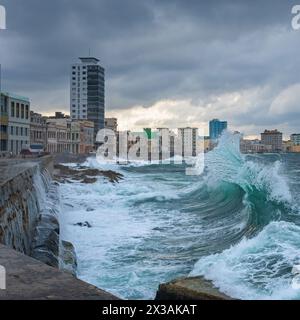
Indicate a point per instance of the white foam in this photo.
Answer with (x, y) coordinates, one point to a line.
(258, 268)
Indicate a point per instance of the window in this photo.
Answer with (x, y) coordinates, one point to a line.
(12, 111)
(27, 111)
(21, 131)
(17, 131)
(18, 111)
(12, 130)
(22, 111)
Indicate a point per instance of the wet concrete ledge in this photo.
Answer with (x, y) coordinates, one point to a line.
(29, 279)
(196, 288)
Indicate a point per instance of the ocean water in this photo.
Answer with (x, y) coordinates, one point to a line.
(237, 224)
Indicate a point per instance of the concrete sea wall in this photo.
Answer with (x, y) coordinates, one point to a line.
(28, 222)
(29, 228)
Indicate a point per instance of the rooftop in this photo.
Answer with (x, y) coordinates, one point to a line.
(89, 60)
(15, 96)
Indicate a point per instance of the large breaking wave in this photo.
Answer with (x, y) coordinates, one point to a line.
(259, 265)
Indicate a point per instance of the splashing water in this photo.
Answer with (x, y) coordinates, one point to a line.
(237, 224)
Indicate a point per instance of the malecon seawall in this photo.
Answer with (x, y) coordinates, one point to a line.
(20, 206)
(29, 228)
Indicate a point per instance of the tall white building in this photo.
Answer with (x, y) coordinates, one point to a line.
(87, 96)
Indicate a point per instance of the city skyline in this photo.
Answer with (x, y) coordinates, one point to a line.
(151, 81)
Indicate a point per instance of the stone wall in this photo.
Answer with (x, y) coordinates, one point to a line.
(19, 201)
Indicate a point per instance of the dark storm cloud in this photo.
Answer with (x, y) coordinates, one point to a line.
(152, 50)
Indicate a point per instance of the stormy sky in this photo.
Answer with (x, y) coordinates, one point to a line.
(168, 62)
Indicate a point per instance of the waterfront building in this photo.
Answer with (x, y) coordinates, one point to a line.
(58, 135)
(189, 137)
(166, 148)
(38, 129)
(87, 135)
(3, 124)
(87, 96)
(295, 139)
(15, 122)
(67, 135)
(207, 144)
(272, 138)
(112, 124)
(51, 136)
(254, 146)
(216, 128)
(75, 137)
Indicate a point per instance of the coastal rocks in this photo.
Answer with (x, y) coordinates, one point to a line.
(84, 175)
(46, 243)
(68, 258)
(83, 224)
(196, 288)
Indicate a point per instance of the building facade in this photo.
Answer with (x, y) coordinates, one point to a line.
(38, 129)
(216, 128)
(15, 122)
(112, 124)
(87, 135)
(272, 138)
(70, 136)
(254, 146)
(3, 123)
(87, 96)
(295, 139)
(189, 138)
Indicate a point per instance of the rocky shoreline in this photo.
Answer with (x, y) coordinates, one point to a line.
(194, 288)
(63, 173)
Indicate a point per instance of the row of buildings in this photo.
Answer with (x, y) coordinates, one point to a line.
(21, 128)
(271, 141)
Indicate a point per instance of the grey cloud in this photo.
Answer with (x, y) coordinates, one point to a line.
(153, 50)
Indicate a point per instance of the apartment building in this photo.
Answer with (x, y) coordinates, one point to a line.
(15, 122)
(67, 135)
(295, 139)
(3, 124)
(86, 136)
(189, 137)
(38, 129)
(87, 95)
(216, 128)
(272, 138)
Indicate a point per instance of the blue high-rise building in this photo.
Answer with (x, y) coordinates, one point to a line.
(216, 127)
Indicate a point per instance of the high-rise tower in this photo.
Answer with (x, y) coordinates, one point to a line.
(87, 96)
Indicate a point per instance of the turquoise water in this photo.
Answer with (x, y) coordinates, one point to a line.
(237, 224)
